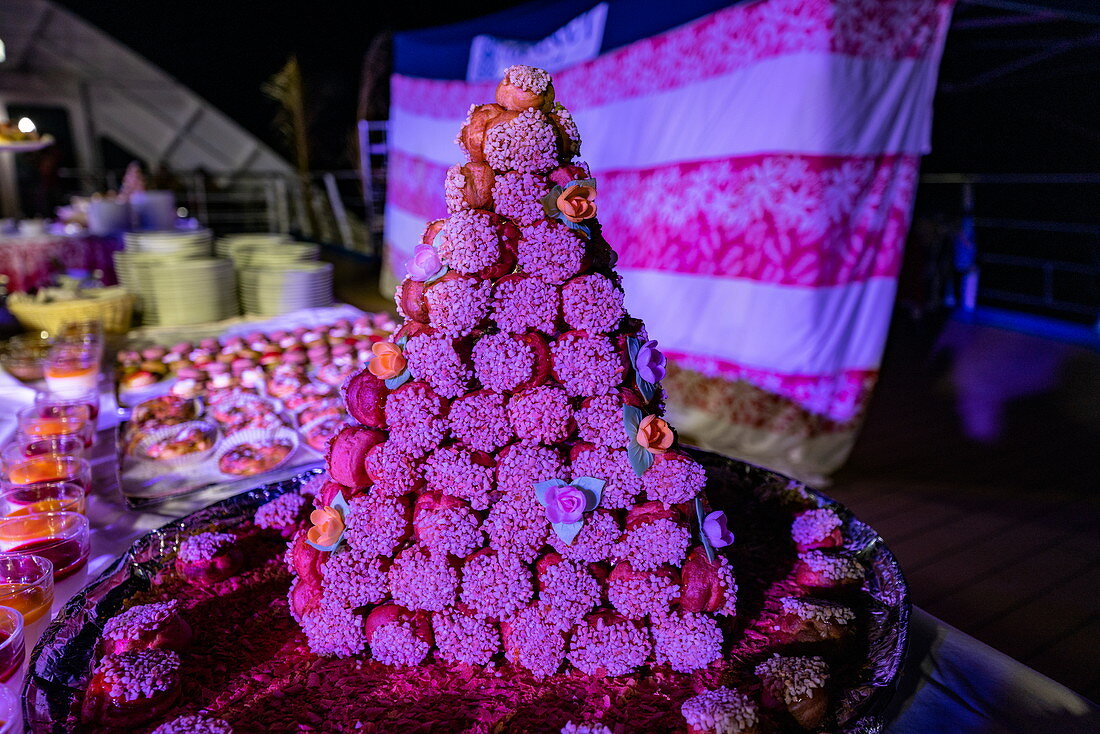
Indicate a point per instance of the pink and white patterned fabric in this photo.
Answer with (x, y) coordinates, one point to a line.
(756, 173)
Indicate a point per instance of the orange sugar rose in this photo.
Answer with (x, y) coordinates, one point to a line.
(655, 435)
(328, 526)
(388, 360)
(578, 203)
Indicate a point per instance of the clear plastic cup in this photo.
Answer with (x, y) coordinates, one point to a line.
(12, 646)
(32, 424)
(80, 405)
(63, 538)
(30, 499)
(72, 369)
(26, 585)
(49, 468)
(28, 447)
(11, 713)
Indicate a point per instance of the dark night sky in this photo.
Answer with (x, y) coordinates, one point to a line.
(1045, 118)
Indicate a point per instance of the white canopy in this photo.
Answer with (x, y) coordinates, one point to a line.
(56, 58)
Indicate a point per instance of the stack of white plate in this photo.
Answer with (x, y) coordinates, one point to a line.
(225, 244)
(271, 289)
(177, 243)
(190, 292)
(283, 253)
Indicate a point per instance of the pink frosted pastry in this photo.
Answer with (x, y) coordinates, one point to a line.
(551, 251)
(587, 364)
(441, 361)
(474, 241)
(207, 558)
(458, 304)
(394, 472)
(600, 418)
(528, 143)
(622, 485)
(420, 579)
(569, 135)
(533, 640)
(446, 524)
(634, 594)
(522, 302)
(518, 196)
(511, 362)
(797, 685)
(285, 380)
(495, 585)
(542, 414)
(479, 121)
(132, 688)
(417, 417)
(517, 525)
(469, 187)
(525, 87)
(595, 542)
(365, 397)
(655, 534)
(707, 586)
(606, 643)
(412, 300)
(348, 452)
(398, 636)
(520, 464)
(593, 303)
(147, 626)
(721, 711)
(673, 478)
(819, 528)
(286, 513)
(377, 525)
(820, 570)
(568, 588)
(462, 473)
(686, 641)
(463, 638)
(480, 420)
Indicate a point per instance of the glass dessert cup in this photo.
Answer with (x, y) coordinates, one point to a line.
(33, 424)
(26, 585)
(31, 499)
(50, 468)
(12, 647)
(72, 369)
(25, 447)
(63, 538)
(79, 405)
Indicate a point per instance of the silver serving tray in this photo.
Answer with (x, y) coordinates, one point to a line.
(62, 660)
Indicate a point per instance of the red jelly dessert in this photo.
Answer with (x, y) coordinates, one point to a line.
(147, 626)
(207, 558)
(132, 688)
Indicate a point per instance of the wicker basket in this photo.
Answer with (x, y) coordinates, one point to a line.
(113, 307)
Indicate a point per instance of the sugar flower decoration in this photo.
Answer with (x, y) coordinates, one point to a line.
(425, 265)
(654, 434)
(649, 365)
(388, 363)
(716, 529)
(329, 525)
(566, 504)
(572, 204)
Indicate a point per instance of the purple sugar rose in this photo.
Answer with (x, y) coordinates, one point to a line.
(650, 363)
(565, 504)
(714, 526)
(424, 263)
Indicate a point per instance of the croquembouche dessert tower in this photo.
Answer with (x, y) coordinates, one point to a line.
(512, 495)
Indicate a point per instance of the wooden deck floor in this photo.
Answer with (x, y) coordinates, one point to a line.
(998, 537)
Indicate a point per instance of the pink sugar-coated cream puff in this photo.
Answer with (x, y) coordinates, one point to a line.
(706, 584)
(525, 87)
(365, 397)
(145, 627)
(469, 186)
(207, 558)
(347, 453)
(132, 688)
(412, 300)
(480, 120)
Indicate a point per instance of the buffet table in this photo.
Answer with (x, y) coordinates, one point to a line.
(951, 683)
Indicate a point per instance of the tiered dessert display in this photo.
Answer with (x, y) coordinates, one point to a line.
(510, 537)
